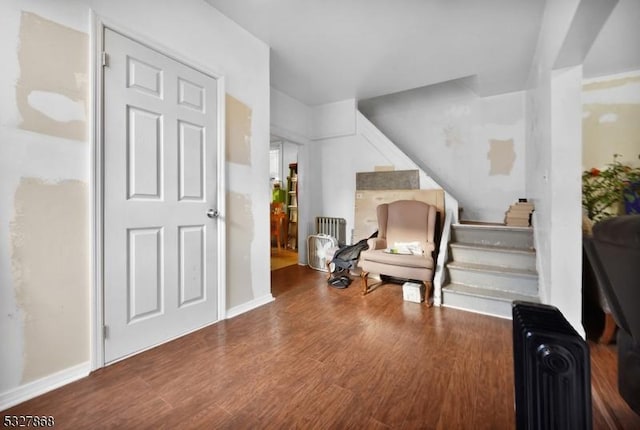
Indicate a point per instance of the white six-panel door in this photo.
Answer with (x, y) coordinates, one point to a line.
(160, 147)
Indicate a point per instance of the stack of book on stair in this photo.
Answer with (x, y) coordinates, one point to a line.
(519, 214)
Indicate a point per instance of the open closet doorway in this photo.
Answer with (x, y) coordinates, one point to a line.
(283, 168)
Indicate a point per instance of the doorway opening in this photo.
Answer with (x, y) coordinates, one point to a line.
(283, 160)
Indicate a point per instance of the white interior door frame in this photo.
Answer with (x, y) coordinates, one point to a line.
(98, 27)
(304, 200)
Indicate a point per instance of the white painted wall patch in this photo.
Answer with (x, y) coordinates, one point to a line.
(457, 111)
(57, 106)
(608, 117)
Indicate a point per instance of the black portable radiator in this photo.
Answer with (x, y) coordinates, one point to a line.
(552, 370)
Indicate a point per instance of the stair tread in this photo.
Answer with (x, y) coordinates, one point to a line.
(488, 293)
(493, 247)
(494, 269)
(490, 227)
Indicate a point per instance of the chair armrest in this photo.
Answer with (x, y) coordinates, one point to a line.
(377, 243)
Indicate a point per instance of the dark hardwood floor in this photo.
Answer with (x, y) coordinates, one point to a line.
(321, 358)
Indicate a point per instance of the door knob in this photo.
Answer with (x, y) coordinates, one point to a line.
(212, 213)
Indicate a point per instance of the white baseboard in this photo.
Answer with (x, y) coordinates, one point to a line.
(246, 307)
(40, 386)
(473, 311)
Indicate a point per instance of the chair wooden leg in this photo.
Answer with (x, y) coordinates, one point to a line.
(609, 329)
(365, 286)
(428, 286)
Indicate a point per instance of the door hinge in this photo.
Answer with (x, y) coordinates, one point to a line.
(105, 331)
(105, 59)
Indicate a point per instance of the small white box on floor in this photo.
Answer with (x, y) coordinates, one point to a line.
(413, 292)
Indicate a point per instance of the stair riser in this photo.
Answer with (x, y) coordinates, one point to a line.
(494, 280)
(507, 238)
(483, 305)
(514, 260)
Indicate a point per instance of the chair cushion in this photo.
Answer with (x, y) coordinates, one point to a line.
(380, 256)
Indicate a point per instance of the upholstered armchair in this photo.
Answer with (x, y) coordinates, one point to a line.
(614, 253)
(405, 244)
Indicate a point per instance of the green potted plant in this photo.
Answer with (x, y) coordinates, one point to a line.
(611, 191)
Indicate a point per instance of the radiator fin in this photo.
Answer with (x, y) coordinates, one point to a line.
(335, 227)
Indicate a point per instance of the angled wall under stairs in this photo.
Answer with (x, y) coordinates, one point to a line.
(491, 266)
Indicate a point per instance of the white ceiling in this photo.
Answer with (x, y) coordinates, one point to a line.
(617, 47)
(330, 50)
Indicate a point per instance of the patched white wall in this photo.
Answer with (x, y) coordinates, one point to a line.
(201, 35)
(556, 244)
(611, 120)
(336, 162)
(566, 193)
(329, 164)
(290, 118)
(473, 146)
(333, 119)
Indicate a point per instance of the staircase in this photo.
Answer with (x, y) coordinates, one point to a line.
(492, 265)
